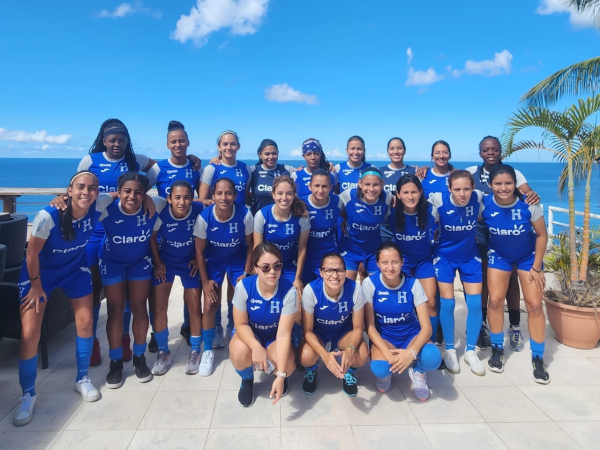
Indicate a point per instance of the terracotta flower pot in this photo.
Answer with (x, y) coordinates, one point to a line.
(574, 326)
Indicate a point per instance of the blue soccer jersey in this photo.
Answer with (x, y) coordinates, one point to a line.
(414, 241)
(284, 235)
(433, 183)
(511, 231)
(176, 236)
(264, 313)
(225, 241)
(302, 180)
(323, 228)
(165, 173)
(394, 307)
(456, 241)
(332, 317)
(392, 175)
(261, 184)
(348, 176)
(239, 174)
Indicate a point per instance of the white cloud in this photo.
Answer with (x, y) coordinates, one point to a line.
(578, 20)
(45, 147)
(127, 9)
(241, 16)
(501, 64)
(41, 136)
(409, 55)
(296, 152)
(285, 93)
(420, 78)
(335, 153)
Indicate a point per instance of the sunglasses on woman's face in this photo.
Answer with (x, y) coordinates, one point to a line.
(266, 268)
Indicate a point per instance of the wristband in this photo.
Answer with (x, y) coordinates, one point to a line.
(414, 354)
(353, 349)
(536, 271)
(248, 274)
(36, 278)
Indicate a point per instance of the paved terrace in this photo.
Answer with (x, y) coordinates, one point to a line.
(177, 411)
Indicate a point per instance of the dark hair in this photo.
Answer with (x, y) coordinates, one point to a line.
(134, 176)
(388, 246)
(99, 147)
(261, 147)
(298, 207)
(396, 139)
(262, 248)
(358, 138)
(175, 125)
(456, 174)
(505, 168)
(444, 143)
(323, 163)
(422, 205)
(332, 255)
(66, 216)
(371, 169)
(481, 169)
(321, 173)
(228, 181)
(181, 183)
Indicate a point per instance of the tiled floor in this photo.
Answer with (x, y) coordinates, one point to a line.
(177, 411)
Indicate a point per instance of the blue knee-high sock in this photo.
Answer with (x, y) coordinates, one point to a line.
(162, 340)
(95, 322)
(229, 313)
(115, 354)
(428, 359)
(381, 369)
(474, 318)
(209, 337)
(218, 317)
(196, 342)
(447, 306)
(186, 316)
(126, 318)
(28, 374)
(83, 353)
(497, 339)
(139, 349)
(151, 317)
(537, 348)
(435, 321)
(313, 367)
(247, 373)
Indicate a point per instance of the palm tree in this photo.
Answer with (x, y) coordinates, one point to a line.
(574, 142)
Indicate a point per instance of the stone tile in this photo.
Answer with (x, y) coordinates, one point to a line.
(371, 407)
(563, 402)
(244, 438)
(301, 438)
(462, 436)
(446, 405)
(228, 412)
(323, 408)
(94, 440)
(186, 409)
(595, 360)
(30, 440)
(384, 438)
(555, 350)
(586, 434)
(121, 411)
(467, 378)
(589, 353)
(591, 392)
(574, 372)
(533, 435)
(169, 439)
(504, 404)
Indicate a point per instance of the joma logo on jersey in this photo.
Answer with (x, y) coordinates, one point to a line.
(347, 171)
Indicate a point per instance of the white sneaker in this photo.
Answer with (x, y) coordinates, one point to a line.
(451, 361)
(472, 360)
(384, 384)
(206, 364)
(87, 389)
(420, 390)
(219, 342)
(24, 412)
(162, 364)
(191, 368)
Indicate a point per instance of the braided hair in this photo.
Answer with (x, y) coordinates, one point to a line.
(99, 147)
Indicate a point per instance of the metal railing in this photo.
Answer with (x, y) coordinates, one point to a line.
(552, 223)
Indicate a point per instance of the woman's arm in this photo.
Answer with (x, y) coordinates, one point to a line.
(531, 197)
(541, 241)
(36, 294)
(284, 347)
(209, 287)
(374, 335)
(302, 240)
(358, 320)
(244, 332)
(160, 270)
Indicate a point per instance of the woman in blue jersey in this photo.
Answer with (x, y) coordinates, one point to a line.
(315, 158)
(435, 179)
(412, 228)
(223, 247)
(518, 239)
(125, 261)
(349, 172)
(457, 212)
(175, 255)
(324, 210)
(365, 210)
(264, 309)
(56, 258)
(332, 312)
(263, 174)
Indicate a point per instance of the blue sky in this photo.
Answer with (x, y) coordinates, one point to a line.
(276, 69)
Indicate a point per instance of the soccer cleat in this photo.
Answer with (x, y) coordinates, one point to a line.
(309, 385)
(219, 342)
(384, 384)
(126, 344)
(142, 372)
(484, 340)
(246, 393)
(96, 358)
(162, 364)
(193, 362)
(515, 339)
(114, 379)
(153, 345)
(349, 385)
(473, 361)
(451, 361)
(439, 338)
(540, 374)
(87, 390)
(206, 364)
(186, 332)
(496, 361)
(24, 413)
(419, 388)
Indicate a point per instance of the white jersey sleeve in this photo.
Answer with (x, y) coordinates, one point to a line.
(240, 296)
(160, 203)
(248, 223)
(345, 196)
(207, 174)
(368, 289)
(289, 168)
(536, 213)
(259, 222)
(103, 201)
(200, 228)
(471, 169)
(290, 305)
(152, 174)
(358, 298)
(294, 176)
(436, 200)
(419, 296)
(520, 178)
(143, 162)
(309, 300)
(85, 163)
(42, 225)
(480, 196)
(304, 224)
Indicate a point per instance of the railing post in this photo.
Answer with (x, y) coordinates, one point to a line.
(550, 222)
(9, 203)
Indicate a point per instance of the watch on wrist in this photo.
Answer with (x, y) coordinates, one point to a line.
(281, 374)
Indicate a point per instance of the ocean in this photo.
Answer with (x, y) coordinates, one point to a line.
(54, 172)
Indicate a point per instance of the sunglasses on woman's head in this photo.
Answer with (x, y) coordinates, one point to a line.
(266, 268)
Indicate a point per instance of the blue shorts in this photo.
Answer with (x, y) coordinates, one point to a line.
(113, 273)
(187, 281)
(419, 270)
(495, 261)
(75, 285)
(401, 343)
(470, 270)
(234, 269)
(334, 338)
(265, 342)
(311, 271)
(353, 260)
(289, 273)
(92, 249)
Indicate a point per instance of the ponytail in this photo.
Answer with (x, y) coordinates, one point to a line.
(66, 221)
